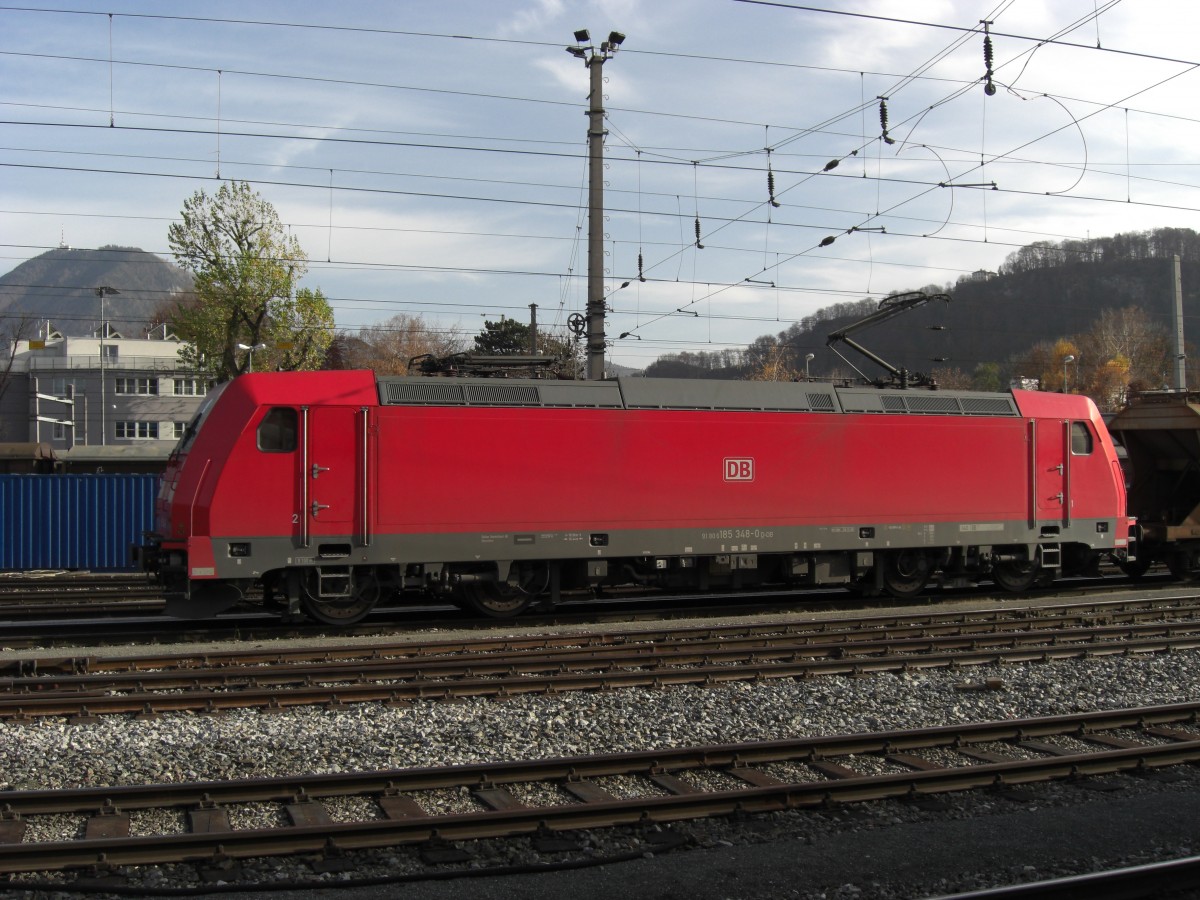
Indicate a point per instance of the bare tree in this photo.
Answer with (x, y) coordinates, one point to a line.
(387, 347)
(951, 379)
(1123, 346)
(14, 330)
(773, 363)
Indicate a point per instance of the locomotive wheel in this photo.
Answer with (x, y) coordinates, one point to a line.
(363, 595)
(1015, 577)
(492, 599)
(906, 572)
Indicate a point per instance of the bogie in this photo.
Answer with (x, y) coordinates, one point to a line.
(339, 595)
(906, 572)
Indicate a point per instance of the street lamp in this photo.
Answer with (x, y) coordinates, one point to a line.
(808, 357)
(1066, 359)
(250, 348)
(103, 291)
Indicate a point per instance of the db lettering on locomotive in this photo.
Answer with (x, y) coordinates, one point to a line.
(739, 468)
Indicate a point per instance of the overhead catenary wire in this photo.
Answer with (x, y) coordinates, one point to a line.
(709, 241)
(828, 240)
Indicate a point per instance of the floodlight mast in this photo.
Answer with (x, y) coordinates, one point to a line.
(595, 58)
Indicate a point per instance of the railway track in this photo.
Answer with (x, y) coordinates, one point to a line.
(399, 673)
(138, 616)
(547, 797)
(66, 595)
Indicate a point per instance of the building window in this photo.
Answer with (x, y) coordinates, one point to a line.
(137, 430)
(59, 432)
(108, 352)
(190, 387)
(179, 428)
(61, 387)
(144, 386)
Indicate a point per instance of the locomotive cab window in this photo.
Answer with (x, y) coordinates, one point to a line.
(277, 431)
(1081, 439)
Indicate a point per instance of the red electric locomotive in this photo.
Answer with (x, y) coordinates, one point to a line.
(333, 489)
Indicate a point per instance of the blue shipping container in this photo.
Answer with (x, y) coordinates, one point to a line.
(74, 521)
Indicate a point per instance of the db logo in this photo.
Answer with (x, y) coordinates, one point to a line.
(739, 468)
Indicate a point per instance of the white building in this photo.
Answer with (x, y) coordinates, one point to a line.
(104, 397)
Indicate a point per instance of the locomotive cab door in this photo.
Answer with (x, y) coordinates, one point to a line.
(333, 474)
(1051, 470)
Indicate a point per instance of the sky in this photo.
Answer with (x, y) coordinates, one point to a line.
(431, 157)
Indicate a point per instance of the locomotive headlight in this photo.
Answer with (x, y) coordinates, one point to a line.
(241, 548)
(1102, 528)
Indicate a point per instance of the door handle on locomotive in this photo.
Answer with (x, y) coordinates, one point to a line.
(317, 507)
(318, 469)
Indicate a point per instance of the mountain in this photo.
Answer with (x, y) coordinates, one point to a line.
(60, 286)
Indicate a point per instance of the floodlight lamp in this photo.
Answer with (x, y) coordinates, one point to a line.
(616, 39)
(577, 51)
(583, 36)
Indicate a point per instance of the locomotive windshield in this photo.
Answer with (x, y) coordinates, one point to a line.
(193, 428)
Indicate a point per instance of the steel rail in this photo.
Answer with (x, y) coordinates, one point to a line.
(407, 821)
(1170, 878)
(864, 629)
(70, 609)
(446, 679)
(262, 624)
(677, 649)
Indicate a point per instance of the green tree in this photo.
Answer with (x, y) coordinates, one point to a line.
(245, 267)
(510, 337)
(986, 377)
(298, 332)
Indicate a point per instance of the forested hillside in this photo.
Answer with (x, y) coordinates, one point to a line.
(1004, 324)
